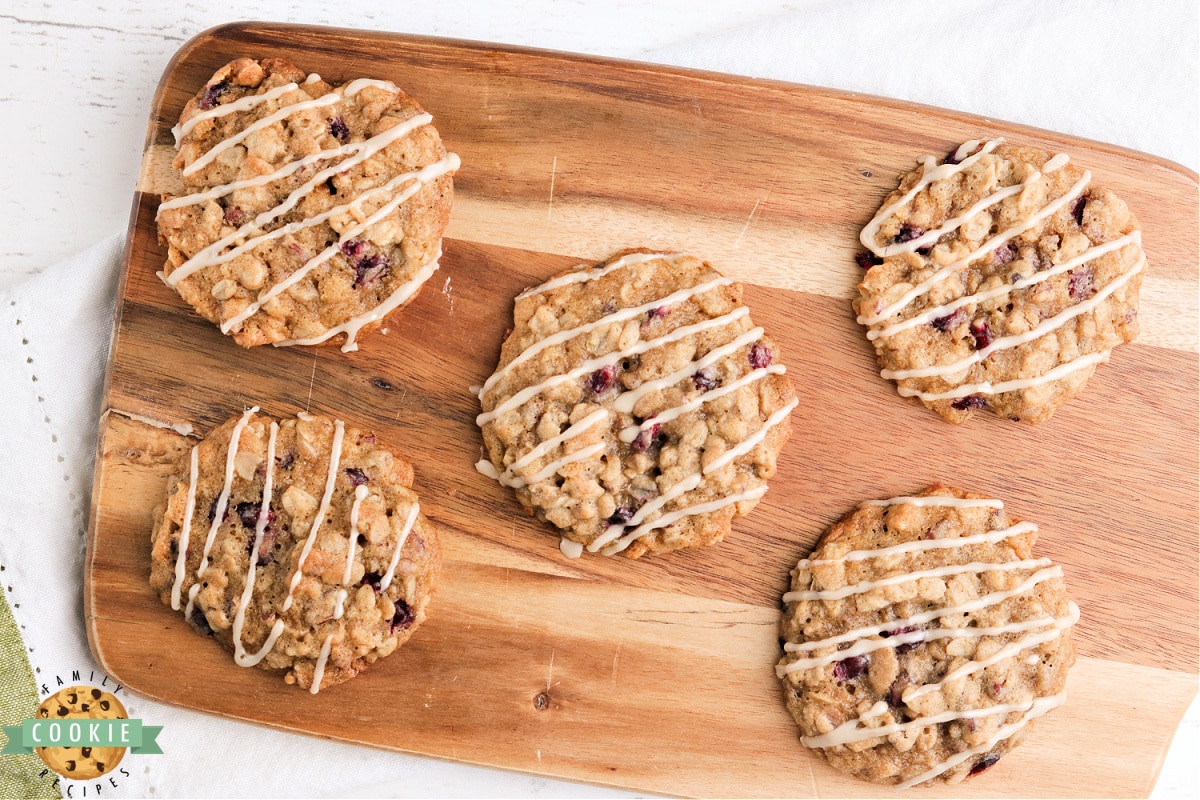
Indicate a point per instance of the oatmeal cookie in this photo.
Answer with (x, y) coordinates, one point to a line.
(299, 545)
(921, 637)
(81, 702)
(636, 406)
(998, 279)
(311, 211)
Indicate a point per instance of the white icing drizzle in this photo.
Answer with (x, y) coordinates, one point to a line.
(553, 467)
(356, 86)
(1008, 651)
(931, 172)
(749, 443)
(212, 255)
(1008, 342)
(1040, 706)
(244, 104)
(931, 314)
(628, 401)
(191, 603)
(370, 146)
(335, 457)
(223, 498)
(1053, 165)
(613, 531)
(585, 272)
(485, 467)
(987, 247)
(865, 646)
(938, 500)
(630, 432)
(878, 710)
(594, 364)
(570, 549)
(920, 545)
(240, 657)
(610, 319)
(319, 669)
(987, 387)
(420, 178)
(987, 601)
(408, 526)
(360, 494)
(267, 121)
(186, 530)
(851, 731)
(585, 424)
(352, 326)
(936, 572)
(953, 223)
(667, 519)
(312, 78)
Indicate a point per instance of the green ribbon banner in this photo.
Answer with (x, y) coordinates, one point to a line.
(82, 733)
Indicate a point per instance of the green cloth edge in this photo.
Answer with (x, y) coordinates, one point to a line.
(21, 776)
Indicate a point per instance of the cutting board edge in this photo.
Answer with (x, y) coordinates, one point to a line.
(224, 30)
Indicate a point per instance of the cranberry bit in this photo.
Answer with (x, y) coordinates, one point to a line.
(234, 216)
(1005, 254)
(1081, 284)
(266, 548)
(655, 313)
(968, 402)
(982, 333)
(338, 129)
(850, 668)
(1077, 209)
(370, 269)
(404, 616)
(602, 379)
(760, 356)
(622, 515)
(212, 511)
(867, 260)
(908, 233)
(895, 696)
(608, 307)
(200, 622)
(950, 321)
(374, 580)
(644, 439)
(212, 94)
(353, 248)
(984, 763)
(288, 459)
(248, 513)
(703, 381)
(357, 476)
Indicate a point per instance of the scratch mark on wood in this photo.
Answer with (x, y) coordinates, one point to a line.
(746, 227)
(550, 674)
(616, 661)
(312, 379)
(553, 172)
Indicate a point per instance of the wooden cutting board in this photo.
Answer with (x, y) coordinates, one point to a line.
(657, 675)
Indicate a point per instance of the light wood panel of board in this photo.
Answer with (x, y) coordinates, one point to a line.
(657, 674)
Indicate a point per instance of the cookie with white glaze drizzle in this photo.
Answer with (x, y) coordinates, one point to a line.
(998, 279)
(311, 211)
(636, 406)
(299, 545)
(921, 637)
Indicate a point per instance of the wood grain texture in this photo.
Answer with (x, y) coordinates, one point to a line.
(668, 659)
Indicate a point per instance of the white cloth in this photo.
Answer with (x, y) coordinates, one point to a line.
(1119, 72)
